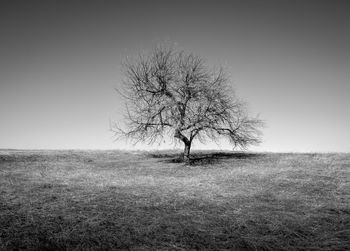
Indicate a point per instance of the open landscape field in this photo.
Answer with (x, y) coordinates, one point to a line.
(105, 200)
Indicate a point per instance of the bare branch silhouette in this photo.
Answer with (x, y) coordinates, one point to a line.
(174, 93)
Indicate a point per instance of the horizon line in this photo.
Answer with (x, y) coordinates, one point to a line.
(168, 149)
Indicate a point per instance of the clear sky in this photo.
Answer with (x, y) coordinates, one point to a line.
(60, 62)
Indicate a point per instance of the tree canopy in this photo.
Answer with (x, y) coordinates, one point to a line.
(170, 92)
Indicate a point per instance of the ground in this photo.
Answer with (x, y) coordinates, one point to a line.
(103, 200)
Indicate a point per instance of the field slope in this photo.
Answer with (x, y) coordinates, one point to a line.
(105, 200)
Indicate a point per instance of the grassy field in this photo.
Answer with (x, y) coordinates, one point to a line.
(103, 200)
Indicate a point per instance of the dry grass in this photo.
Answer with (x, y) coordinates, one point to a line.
(102, 200)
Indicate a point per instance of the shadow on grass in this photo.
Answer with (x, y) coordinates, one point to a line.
(204, 158)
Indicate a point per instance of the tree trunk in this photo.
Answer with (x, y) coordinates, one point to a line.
(187, 142)
(186, 156)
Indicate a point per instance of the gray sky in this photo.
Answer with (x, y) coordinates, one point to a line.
(60, 63)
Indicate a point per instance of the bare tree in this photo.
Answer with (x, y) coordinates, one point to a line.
(173, 93)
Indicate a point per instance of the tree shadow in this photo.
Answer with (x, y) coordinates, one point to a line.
(204, 158)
